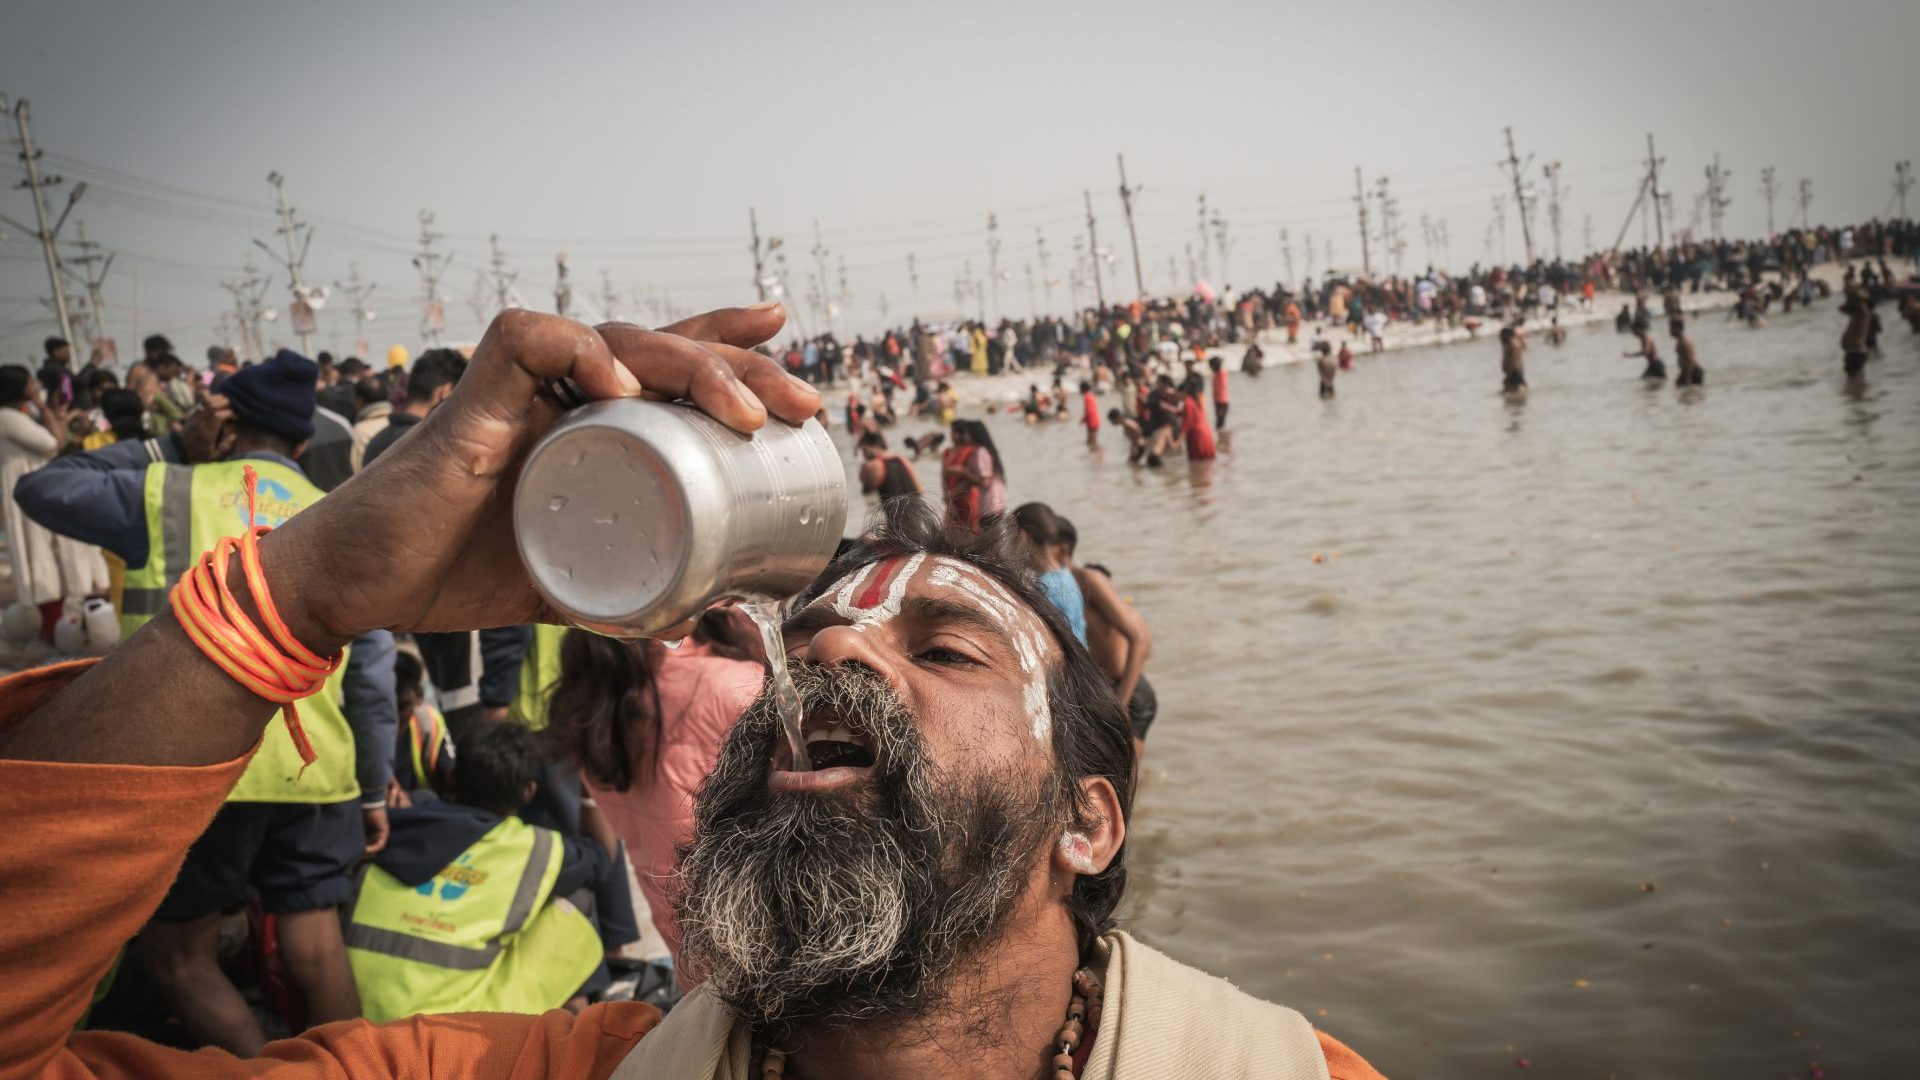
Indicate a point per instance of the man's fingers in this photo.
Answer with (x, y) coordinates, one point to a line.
(744, 327)
(785, 396)
(524, 349)
(676, 367)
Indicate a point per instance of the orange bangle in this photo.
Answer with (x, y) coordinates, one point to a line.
(273, 665)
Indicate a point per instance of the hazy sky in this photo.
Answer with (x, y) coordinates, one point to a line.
(635, 137)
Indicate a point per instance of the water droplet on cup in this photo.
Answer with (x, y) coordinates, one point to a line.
(578, 457)
(806, 514)
(607, 518)
(557, 503)
(567, 572)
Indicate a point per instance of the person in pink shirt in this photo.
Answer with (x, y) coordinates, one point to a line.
(644, 724)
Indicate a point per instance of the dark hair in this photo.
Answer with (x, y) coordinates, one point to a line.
(874, 438)
(1113, 415)
(604, 715)
(1215, 363)
(434, 369)
(1038, 523)
(982, 437)
(1069, 535)
(53, 343)
(498, 760)
(124, 413)
(407, 671)
(1677, 325)
(98, 381)
(1086, 387)
(156, 343)
(1091, 734)
(370, 390)
(352, 367)
(13, 384)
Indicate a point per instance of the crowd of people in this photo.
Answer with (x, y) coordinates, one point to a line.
(476, 796)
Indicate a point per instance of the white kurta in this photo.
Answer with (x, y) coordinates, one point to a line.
(46, 567)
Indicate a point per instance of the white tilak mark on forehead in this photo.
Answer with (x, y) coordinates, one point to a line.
(953, 574)
(885, 611)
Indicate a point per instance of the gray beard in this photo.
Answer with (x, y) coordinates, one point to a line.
(834, 910)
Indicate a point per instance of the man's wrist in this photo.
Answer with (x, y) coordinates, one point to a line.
(295, 577)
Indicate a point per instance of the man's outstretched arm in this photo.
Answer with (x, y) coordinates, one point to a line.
(109, 771)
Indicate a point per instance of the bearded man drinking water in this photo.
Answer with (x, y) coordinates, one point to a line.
(934, 897)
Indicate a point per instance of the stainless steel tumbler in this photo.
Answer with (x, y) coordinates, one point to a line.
(633, 516)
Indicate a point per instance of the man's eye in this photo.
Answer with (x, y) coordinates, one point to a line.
(941, 655)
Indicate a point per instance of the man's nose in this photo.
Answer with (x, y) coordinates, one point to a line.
(868, 645)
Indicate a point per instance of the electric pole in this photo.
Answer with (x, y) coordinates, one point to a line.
(1554, 194)
(249, 293)
(1173, 278)
(760, 254)
(298, 237)
(1653, 190)
(562, 286)
(362, 314)
(1220, 239)
(1309, 253)
(1078, 275)
(1515, 167)
(1093, 245)
(913, 278)
(820, 267)
(846, 295)
(1286, 252)
(1046, 265)
(1902, 183)
(1717, 198)
(609, 299)
(432, 266)
(94, 267)
(1392, 244)
(502, 280)
(1360, 200)
(1133, 237)
(993, 259)
(36, 183)
(1806, 202)
(1499, 227)
(1033, 299)
(1206, 265)
(1768, 189)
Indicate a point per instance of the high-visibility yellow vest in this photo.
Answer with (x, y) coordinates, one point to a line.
(539, 673)
(189, 508)
(485, 934)
(427, 739)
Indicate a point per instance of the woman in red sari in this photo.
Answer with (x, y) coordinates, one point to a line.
(1194, 420)
(960, 484)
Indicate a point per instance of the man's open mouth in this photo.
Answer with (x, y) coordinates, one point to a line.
(833, 742)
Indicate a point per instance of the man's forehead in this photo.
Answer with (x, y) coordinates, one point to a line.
(875, 592)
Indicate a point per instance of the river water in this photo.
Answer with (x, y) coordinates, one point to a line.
(1590, 740)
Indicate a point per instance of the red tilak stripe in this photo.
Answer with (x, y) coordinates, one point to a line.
(876, 590)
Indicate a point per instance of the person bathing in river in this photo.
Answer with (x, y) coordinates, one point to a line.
(1513, 360)
(1130, 427)
(1051, 564)
(1090, 413)
(1853, 340)
(1193, 420)
(1119, 640)
(1690, 373)
(1323, 361)
(885, 474)
(1655, 370)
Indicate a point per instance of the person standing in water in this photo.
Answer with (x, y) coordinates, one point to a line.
(1655, 370)
(1853, 341)
(1513, 360)
(1118, 638)
(1047, 554)
(1220, 400)
(885, 474)
(1193, 420)
(1323, 360)
(1691, 373)
(1090, 413)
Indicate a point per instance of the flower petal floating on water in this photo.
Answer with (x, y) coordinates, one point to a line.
(1646, 886)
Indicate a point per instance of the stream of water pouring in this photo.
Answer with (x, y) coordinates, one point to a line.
(786, 699)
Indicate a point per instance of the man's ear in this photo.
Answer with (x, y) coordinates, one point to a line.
(1092, 850)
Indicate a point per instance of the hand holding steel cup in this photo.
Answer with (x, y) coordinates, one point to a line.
(423, 539)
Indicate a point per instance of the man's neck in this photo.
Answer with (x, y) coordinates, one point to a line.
(416, 409)
(998, 1019)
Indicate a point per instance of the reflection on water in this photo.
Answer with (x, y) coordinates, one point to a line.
(1591, 737)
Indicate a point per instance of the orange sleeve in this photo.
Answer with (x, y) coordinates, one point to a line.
(1344, 1064)
(471, 1046)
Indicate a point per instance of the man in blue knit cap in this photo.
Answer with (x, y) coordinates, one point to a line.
(288, 836)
